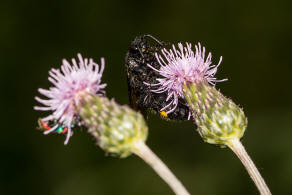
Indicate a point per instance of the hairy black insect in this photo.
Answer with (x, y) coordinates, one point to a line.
(142, 52)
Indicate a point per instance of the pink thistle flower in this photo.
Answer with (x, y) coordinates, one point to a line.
(179, 67)
(69, 83)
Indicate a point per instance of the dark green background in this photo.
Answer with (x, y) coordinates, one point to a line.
(254, 38)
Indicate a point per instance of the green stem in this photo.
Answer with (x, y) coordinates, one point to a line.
(236, 146)
(144, 152)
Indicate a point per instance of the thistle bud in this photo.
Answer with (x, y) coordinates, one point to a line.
(116, 128)
(217, 117)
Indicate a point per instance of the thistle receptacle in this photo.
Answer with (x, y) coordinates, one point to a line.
(219, 121)
(117, 129)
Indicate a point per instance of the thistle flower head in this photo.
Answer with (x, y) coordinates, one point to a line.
(68, 84)
(179, 67)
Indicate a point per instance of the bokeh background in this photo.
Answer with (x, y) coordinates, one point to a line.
(254, 38)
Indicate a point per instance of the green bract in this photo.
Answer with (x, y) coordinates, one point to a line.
(116, 128)
(217, 117)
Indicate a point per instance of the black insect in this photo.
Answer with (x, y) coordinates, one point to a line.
(142, 52)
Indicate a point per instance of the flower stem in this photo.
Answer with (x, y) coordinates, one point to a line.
(144, 152)
(236, 146)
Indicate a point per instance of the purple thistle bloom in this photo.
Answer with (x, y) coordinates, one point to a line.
(179, 67)
(69, 83)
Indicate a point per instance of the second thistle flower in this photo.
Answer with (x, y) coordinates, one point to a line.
(191, 76)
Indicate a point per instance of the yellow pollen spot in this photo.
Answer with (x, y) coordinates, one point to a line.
(163, 114)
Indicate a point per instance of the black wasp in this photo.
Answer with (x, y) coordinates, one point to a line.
(142, 52)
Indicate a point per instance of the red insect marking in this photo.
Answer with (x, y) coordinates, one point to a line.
(65, 130)
(45, 125)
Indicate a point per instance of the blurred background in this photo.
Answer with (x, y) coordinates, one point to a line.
(254, 38)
